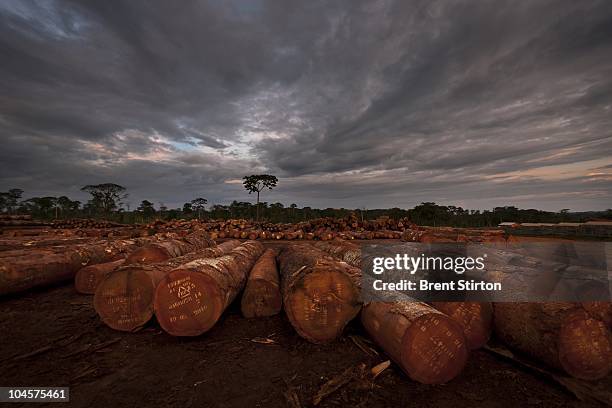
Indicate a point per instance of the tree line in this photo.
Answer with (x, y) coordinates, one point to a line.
(108, 201)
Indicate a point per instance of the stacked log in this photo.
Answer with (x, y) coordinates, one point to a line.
(190, 299)
(428, 345)
(85, 223)
(262, 295)
(320, 293)
(562, 335)
(22, 270)
(124, 299)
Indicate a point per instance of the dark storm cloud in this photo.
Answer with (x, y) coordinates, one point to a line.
(371, 104)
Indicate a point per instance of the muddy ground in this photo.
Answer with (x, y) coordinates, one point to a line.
(53, 337)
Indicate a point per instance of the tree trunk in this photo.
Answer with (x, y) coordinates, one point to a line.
(262, 296)
(257, 210)
(562, 335)
(191, 298)
(320, 294)
(124, 300)
(428, 345)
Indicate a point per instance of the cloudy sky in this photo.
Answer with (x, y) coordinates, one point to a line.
(369, 104)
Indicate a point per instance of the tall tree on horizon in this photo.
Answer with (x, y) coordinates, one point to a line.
(107, 196)
(255, 183)
(199, 205)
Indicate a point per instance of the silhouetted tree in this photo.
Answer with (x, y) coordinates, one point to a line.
(198, 205)
(255, 183)
(146, 208)
(106, 197)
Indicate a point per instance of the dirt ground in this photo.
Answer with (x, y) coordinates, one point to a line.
(53, 337)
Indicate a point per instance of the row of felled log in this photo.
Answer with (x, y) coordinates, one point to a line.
(320, 293)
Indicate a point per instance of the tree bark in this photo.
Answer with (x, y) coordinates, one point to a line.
(320, 293)
(262, 296)
(124, 299)
(192, 297)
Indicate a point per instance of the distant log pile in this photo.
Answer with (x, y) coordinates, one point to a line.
(327, 229)
(84, 223)
(12, 221)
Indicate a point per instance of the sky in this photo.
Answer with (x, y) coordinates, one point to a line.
(351, 104)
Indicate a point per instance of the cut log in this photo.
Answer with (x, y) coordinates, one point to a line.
(562, 335)
(191, 298)
(162, 251)
(124, 299)
(45, 266)
(320, 293)
(89, 277)
(428, 345)
(476, 319)
(262, 296)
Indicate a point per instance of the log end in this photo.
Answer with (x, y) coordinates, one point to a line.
(585, 347)
(434, 349)
(321, 304)
(124, 299)
(261, 298)
(188, 303)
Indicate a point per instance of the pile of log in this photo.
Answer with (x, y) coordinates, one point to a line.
(327, 229)
(84, 223)
(12, 221)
